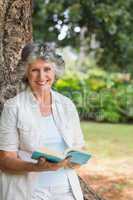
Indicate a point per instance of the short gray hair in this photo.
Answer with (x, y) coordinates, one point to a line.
(44, 51)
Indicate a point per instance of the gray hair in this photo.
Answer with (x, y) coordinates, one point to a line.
(44, 51)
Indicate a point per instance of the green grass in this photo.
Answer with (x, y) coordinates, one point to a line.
(108, 140)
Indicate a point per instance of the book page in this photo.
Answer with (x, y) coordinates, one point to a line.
(50, 152)
(73, 149)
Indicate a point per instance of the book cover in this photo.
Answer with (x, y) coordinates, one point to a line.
(76, 156)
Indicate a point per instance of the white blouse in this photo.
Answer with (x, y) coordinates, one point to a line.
(52, 139)
(20, 132)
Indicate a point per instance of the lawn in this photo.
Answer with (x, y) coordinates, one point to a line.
(108, 140)
(110, 171)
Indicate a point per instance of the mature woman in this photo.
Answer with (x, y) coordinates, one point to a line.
(35, 118)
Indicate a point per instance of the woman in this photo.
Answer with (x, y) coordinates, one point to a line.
(35, 118)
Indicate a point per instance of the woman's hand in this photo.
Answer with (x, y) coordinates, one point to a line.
(73, 165)
(44, 165)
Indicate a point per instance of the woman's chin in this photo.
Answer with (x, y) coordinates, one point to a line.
(43, 87)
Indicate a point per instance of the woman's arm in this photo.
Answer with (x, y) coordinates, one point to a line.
(9, 144)
(9, 162)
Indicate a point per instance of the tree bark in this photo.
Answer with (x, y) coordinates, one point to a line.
(15, 32)
(88, 192)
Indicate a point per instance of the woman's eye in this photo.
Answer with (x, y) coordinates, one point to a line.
(34, 70)
(47, 69)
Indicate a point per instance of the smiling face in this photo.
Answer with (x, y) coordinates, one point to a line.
(41, 75)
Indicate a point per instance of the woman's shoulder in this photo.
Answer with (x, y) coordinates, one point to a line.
(16, 100)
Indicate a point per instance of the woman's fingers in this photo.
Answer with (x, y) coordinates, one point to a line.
(44, 165)
(64, 162)
(74, 165)
(69, 164)
(41, 161)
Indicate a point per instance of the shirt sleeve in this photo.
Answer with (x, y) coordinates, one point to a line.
(8, 129)
(76, 128)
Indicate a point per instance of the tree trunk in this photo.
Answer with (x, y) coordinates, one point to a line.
(88, 192)
(15, 32)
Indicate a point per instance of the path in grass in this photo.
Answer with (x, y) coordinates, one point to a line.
(110, 171)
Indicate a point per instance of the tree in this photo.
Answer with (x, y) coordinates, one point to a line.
(15, 31)
(107, 24)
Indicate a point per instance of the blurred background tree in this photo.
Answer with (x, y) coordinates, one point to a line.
(97, 43)
(99, 28)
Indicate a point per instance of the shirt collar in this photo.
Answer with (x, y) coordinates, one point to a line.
(33, 100)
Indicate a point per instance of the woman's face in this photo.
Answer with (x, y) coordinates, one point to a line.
(41, 75)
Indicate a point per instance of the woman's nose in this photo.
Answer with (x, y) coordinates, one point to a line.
(42, 75)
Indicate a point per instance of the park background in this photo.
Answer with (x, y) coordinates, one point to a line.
(95, 38)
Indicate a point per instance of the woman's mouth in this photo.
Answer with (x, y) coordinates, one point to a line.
(41, 83)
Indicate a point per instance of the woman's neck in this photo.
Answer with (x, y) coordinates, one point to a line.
(43, 97)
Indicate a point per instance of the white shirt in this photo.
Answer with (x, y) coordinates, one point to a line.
(53, 140)
(20, 132)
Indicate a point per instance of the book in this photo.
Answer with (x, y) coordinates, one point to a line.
(75, 155)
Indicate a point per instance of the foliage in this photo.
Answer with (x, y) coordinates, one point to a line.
(103, 27)
(99, 95)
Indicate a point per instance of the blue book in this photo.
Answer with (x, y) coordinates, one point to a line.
(75, 155)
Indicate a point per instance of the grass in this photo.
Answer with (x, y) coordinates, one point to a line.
(108, 140)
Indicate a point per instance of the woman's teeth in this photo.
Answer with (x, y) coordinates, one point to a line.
(42, 83)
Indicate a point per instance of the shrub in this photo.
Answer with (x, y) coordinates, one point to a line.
(100, 96)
